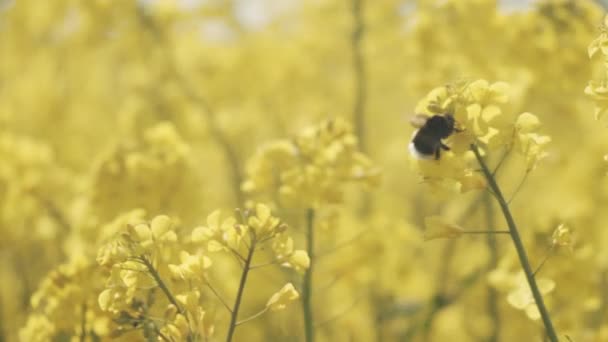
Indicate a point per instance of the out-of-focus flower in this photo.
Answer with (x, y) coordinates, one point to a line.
(220, 235)
(597, 90)
(311, 169)
(520, 297)
(562, 236)
(263, 223)
(281, 299)
(157, 231)
(284, 251)
(192, 266)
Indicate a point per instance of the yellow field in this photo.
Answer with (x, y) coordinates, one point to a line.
(217, 170)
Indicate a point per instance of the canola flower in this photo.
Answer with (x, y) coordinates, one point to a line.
(312, 169)
(310, 172)
(597, 90)
(147, 255)
(477, 107)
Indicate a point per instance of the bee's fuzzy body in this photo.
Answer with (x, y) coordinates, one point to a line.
(427, 140)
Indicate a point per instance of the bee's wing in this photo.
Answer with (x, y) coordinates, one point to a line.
(419, 120)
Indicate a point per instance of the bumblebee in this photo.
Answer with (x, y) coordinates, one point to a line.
(427, 139)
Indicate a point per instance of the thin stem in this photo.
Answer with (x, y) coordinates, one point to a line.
(343, 244)
(523, 180)
(441, 298)
(270, 263)
(237, 254)
(489, 232)
(309, 328)
(493, 309)
(2, 333)
(219, 297)
(160, 334)
(603, 285)
(251, 318)
(519, 247)
(241, 290)
(542, 263)
(83, 324)
(359, 72)
(501, 161)
(161, 284)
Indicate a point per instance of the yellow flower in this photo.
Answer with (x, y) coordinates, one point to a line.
(189, 300)
(39, 328)
(521, 296)
(299, 260)
(598, 92)
(310, 169)
(113, 252)
(105, 299)
(526, 122)
(219, 235)
(481, 115)
(191, 266)
(562, 236)
(262, 222)
(282, 245)
(281, 299)
(472, 181)
(159, 230)
(601, 42)
(178, 330)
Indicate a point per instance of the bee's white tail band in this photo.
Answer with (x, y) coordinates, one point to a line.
(414, 152)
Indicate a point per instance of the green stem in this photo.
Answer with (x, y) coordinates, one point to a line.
(83, 324)
(217, 294)
(239, 295)
(359, 72)
(519, 246)
(309, 329)
(251, 318)
(161, 284)
(542, 263)
(487, 232)
(2, 333)
(493, 309)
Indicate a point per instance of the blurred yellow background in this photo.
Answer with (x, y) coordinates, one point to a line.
(175, 107)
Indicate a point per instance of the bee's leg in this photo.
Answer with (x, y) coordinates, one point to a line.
(444, 146)
(437, 153)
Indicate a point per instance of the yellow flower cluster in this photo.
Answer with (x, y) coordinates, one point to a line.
(310, 170)
(65, 305)
(482, 117)
(29, 178)
(259, 227)
(598, 89)
(139, 169)
(145, 256)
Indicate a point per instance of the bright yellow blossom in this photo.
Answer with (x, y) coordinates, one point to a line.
(282, 298)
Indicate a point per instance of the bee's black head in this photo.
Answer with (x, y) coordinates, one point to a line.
(441, 126)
